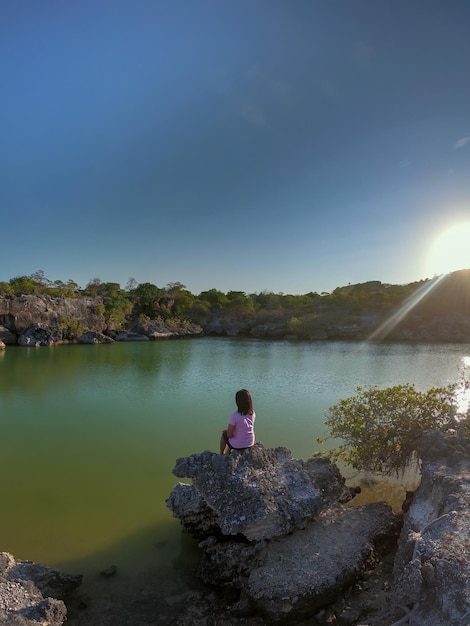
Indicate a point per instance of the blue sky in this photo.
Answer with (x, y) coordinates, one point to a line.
(288, 146)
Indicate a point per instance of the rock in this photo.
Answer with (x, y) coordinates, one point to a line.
(93, 337)
(109, 571)
(307, 570)
(17, 313)
(158, 329)
(125, 336)
(160, 335)
(275, 529)
(38, 335)
(2, 345)
(271, 493)
(7, 337)
(31, 594)
(432, 566)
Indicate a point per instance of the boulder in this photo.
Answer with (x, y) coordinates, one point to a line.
(7, 337)
(93, 337)
(259, 493)
(39, 335)
(307, 570)
(31, 594)
(277, 530)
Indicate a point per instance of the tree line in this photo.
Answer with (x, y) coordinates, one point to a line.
(299, 313)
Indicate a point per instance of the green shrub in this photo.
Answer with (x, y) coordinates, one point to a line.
(380, 429)
(70, 327)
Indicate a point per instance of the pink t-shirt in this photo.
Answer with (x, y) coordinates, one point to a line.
(244, 435)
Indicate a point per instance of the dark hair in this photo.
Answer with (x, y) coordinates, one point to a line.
(244, 402)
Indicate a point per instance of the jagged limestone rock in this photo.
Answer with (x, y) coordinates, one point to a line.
(275, 529)
(307, 570)
(259, 493)
(31, 593)
(432, 566)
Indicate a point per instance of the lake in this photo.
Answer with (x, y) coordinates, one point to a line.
(90, 434)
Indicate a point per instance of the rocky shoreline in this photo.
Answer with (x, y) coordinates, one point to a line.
(280, 541)
(289, 548)
(44, 320)
(41, 320)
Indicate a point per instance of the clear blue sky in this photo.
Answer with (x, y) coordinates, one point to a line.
(292, 146)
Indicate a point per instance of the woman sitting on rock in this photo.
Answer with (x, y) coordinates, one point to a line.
(240, 433)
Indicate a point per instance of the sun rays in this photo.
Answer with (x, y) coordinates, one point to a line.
(384, 329)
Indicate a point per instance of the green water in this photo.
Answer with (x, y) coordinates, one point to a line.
(89, 434)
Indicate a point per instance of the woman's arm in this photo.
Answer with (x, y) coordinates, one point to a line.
(230, 430)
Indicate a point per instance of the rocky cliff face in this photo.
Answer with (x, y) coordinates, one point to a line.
(417, 328)
(41, 320)
(17, 313)
(432, 566)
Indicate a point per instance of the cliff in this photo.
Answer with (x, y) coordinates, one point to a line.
(43, 320)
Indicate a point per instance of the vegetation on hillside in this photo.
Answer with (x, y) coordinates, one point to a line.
(300, 315)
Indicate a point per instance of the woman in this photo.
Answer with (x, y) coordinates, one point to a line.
(240, 434)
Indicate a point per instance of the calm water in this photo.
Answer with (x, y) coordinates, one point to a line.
(89, 434)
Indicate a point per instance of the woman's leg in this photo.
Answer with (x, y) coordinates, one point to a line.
(223, 442)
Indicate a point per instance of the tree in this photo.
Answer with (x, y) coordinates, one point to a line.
(147, 297)
(380, 428)
(131, 284)
(93, 287)
(173, 288)
(24, 284)
(6, 288)
(40, 278)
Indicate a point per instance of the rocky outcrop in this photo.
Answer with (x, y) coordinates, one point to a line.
(32, 594)
(38, 335)
(432, 566)
(17, 313)
(42, 320)
(342, 326)
(270, 493)
(276, 529)
(159, 329)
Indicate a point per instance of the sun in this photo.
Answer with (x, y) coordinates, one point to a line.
(450, 250)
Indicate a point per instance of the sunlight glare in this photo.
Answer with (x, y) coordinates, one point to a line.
(451, 250)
